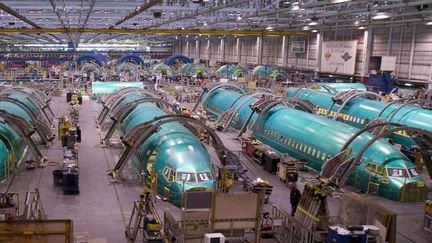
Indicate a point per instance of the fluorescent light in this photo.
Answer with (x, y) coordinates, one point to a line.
(408, 84)
(42, 45)
(339, 1)
(239, 18)
(205, 23)
(381, 16)
(313, 23)
(269, 28)
(306, 28)
(361, 28)
(356, 22)
(429, 23)
(106, 45)
(314, 31)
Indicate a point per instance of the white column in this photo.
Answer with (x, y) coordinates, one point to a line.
(319, 50)
(222, 49)
(413, 39)
(209, 49)
(187, 52)
(284, 50)
(389, 41)
(366, 53)
(259, 49)
(197, 50)
(307, 51)
(238, 50)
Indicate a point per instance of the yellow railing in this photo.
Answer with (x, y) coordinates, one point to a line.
(48, 231)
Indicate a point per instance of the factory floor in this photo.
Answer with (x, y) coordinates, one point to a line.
(102, 209)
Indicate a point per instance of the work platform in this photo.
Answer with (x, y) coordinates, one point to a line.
(102, 210)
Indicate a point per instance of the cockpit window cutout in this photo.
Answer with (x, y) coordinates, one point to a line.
(204, 176)
(397, 172)
(186, 177)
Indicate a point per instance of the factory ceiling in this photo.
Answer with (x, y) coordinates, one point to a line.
(91, 21)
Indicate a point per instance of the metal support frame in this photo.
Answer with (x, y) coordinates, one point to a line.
(211, 87)
(115, 94)
(410, 130)
(120, 112)
(301, 104)
(39, 98)
(11, 157)
(337, 169)
(262, 106)
(116, 97)
(40, 125)
(329, 89)
(140, 133)
(408, 102)
(25, 130)
(227, 117)
(351, 95)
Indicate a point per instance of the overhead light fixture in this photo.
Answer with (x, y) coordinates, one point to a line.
(361, 28)
(314, 31)
(295, 6)
(429, 23)
(205, 23)
(378, 16)
(306, 28)
(239, 17)
(182, 28)
(269, 28)
(356, 22)
(408, 84)
(339, 1)
(313, 23)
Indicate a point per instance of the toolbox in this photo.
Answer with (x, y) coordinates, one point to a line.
(70, 183)
(271, 160)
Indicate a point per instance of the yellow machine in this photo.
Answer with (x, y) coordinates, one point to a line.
(63, 126)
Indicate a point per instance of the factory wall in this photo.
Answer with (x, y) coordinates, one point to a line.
(411, 45)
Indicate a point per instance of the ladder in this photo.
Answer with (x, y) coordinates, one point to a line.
(334, 171)
(312, 211)
(33, 209)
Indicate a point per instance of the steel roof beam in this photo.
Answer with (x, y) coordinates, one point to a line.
(21, 17)
(200, 12)
(53, 4)
(137, 11)
(149, 31)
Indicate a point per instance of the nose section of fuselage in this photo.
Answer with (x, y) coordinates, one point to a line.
(411, 189)
(181, 188)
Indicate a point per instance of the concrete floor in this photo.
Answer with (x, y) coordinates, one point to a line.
(102, 209)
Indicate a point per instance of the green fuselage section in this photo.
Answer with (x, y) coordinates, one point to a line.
(315, 139)
(177, 157)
